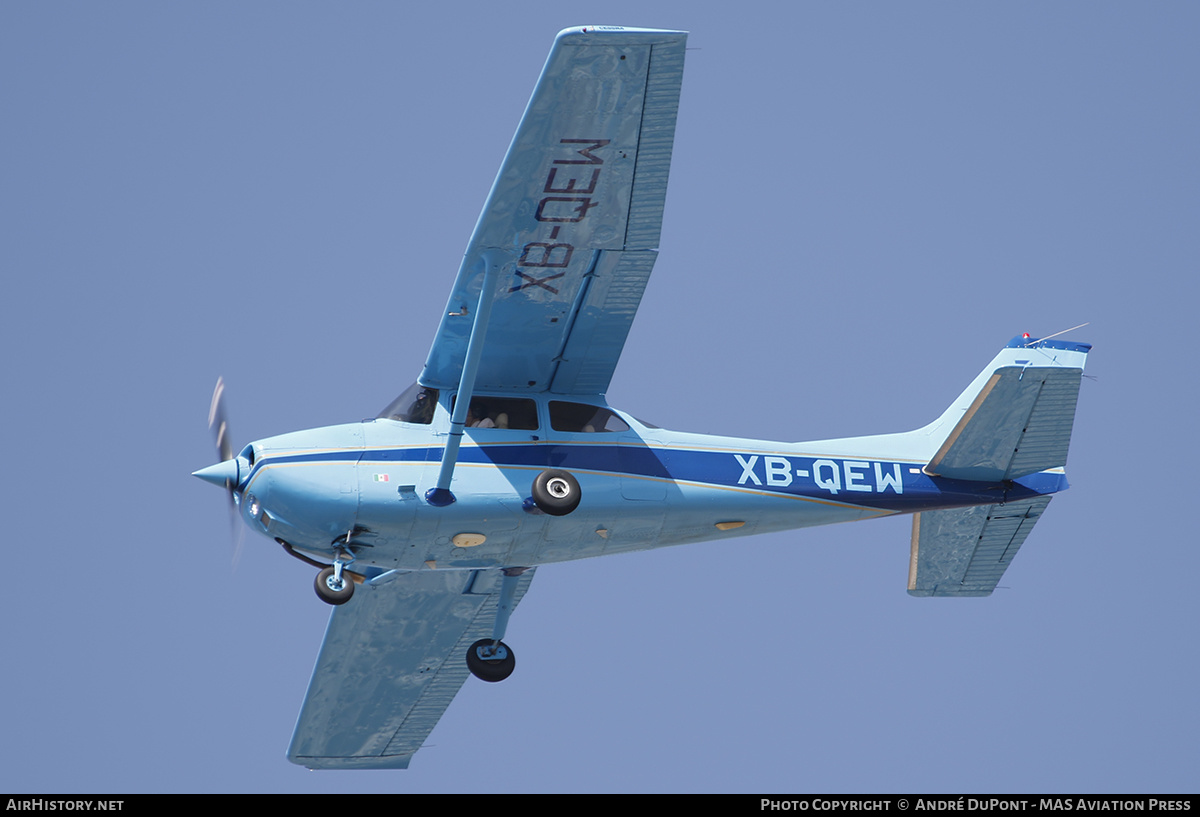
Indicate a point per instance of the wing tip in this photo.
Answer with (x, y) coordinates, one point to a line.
(344, 763)
(618, 34)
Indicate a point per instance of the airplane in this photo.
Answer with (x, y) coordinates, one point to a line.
(428, 522)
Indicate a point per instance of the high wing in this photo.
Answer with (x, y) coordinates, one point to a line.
(391, 662)
(572, 220)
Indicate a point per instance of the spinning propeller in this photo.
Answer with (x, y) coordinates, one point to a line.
(226, 472)
(217, 423)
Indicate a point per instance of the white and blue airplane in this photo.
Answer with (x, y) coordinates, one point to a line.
(427, 522)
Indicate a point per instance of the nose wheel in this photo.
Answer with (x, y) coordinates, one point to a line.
(333, 586)
(490, 660)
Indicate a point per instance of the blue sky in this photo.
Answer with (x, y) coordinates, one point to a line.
(866, 201)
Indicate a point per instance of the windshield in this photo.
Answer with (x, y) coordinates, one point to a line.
(414, 405)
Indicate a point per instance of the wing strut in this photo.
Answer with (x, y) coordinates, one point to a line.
(440, 494)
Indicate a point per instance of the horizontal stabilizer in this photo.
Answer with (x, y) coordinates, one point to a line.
(965, 551)
(1019, 424)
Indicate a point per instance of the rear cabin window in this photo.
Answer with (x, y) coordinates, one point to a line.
(514, 413)
(585, 419)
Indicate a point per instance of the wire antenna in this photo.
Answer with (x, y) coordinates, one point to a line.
(1056, 334)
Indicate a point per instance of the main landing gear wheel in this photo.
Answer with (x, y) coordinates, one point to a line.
(333, 590)
(556, 493)
(490, 665)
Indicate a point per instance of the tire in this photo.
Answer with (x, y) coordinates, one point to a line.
(556, 492)
(327, 593)
(490, 670)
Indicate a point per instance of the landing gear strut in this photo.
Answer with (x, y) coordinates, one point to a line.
(490, 659)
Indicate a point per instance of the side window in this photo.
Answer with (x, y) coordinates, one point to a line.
(415, 405)
(518, 414)
(582, 418)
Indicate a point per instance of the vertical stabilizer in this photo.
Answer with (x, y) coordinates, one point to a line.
(1015, 418)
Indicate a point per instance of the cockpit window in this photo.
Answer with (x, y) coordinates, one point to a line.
(517, 413)
(415, 405)
(580, 417)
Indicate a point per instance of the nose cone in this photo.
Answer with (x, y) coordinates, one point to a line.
(222, 474)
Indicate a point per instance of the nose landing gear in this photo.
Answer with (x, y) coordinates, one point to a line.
(333, 586)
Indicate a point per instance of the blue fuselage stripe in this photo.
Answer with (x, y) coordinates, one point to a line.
(876, 484)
